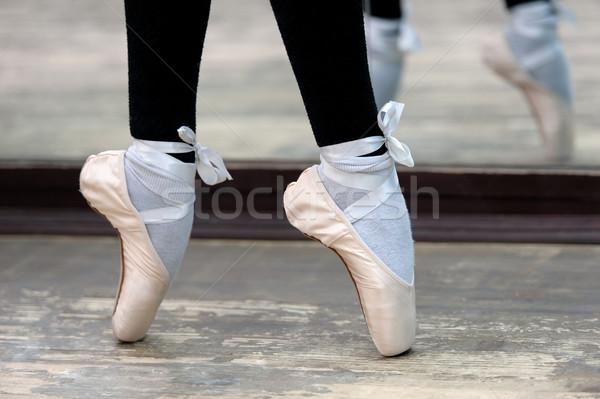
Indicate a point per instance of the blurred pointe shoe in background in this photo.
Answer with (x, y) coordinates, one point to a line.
(529, 55)
(388, 41)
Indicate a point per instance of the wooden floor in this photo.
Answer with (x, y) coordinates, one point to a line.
(263, 319)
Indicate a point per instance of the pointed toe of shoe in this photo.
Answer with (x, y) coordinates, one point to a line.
(136, 307)
(143, 288)
(124, 333)
(388, 302)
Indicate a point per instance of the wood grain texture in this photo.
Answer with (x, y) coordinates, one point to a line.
(263, 319)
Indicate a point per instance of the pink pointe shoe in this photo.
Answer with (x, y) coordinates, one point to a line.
(554, 117)
(144, 278)
(387, 301)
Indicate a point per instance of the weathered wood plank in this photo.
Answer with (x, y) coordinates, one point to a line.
(495, 321)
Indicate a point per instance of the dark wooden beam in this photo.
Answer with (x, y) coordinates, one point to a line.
(446, 204)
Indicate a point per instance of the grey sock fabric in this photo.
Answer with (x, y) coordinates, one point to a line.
(386, 230)
(532, 36)
(149, 188)
(386, 61)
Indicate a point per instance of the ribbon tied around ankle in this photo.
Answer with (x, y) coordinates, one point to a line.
(388, 120)
(563, 12)
(210, 165)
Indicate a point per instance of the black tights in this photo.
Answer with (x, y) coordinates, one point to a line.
(324, 41)
(393, 8)
(512, 3)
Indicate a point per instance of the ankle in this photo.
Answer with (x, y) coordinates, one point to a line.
(535, 20)
(157, 155)
(185, 157)
(208, 162)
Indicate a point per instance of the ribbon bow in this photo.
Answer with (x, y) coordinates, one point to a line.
(388, 120)
(563, 13)
(211, 167)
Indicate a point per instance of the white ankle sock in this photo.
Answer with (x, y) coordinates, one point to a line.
(383, 221)
(532, 36)
(149, 188)
(388, 40)
(386, 230)
(162, 189)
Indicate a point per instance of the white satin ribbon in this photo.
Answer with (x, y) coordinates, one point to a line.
(155, 153)
(210, 165)
(563, 12)
(166, 214)
(388, 120)
(378, 196)
(348, 157)
(408, 42)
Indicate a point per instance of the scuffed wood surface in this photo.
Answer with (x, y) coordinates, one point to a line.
(265, 319)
